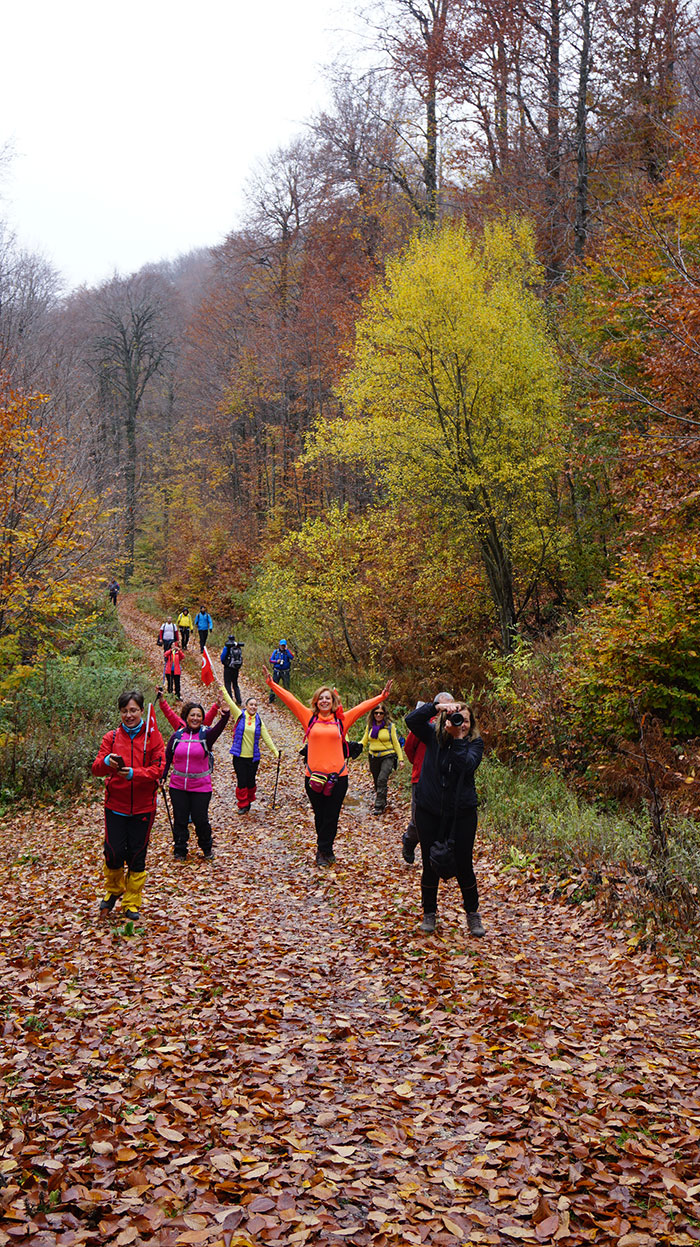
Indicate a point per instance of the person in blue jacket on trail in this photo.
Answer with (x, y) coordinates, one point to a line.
(281, 660)
(204, 624)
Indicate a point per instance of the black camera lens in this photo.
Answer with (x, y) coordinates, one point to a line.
(456, 718)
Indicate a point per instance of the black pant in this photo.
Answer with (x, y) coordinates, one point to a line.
(194, 806)
(167, 645)
(126, 840)
(185, 634)
(381, 768)
(431, 828)
(280, 675)
(173, 680)
(410, 836)
(113, 600)
(326, 813)
(231, 683)
(203, 634)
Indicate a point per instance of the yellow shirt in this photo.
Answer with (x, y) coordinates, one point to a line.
(248, 742)
(184, 621)
(386, 741)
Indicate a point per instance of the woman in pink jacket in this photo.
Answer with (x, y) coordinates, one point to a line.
(188, 762)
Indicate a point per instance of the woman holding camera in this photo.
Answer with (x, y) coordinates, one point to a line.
(384, 747)
(131, 759)
(446, 800)
(326, 783)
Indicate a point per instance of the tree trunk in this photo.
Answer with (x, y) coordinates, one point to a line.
(581, 222)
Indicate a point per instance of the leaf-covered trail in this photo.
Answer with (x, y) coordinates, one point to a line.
(278, 1056)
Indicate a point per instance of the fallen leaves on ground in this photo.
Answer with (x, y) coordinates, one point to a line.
(275, 1054)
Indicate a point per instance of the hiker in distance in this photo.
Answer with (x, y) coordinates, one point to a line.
(231, 659)
(172, 668)
(385, 752)
(131, 758)
(113, 590)
(248, 731)
(204, 624)
(184, 623)
(167, 634)
(446, 803)
(415, 752)
(189, 763)
(326, 777)
(281, 660)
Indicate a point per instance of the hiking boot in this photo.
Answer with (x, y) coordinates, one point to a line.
(130, 913)
(208, 856)
(428, 923)
(323, 860)
(109, 903)
(476, 926)
(408, 849)
(180, 857)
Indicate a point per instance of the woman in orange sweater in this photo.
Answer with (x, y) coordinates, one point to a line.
(326, 781)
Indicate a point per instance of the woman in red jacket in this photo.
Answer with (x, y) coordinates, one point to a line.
(172, 668)
(132, 761)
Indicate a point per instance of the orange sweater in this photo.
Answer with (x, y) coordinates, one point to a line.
(326, 753)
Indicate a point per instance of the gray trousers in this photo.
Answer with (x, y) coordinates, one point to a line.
(381, 768)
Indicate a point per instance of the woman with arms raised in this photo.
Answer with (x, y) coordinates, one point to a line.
(326, 781)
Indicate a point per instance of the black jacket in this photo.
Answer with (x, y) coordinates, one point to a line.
(446, 784)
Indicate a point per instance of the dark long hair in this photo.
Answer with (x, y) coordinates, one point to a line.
(191, 705)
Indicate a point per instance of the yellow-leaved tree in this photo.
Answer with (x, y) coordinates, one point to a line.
(51, 532)
(453, 401)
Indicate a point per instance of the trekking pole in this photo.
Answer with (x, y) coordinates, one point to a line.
(164, 795)
(277, 779)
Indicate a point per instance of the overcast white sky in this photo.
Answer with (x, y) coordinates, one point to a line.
(135, 124)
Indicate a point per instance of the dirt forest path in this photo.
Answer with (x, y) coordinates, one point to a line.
(276, 1055)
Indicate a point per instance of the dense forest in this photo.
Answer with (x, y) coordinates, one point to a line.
(430, 408)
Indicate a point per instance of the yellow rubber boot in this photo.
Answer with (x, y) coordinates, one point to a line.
(131, 900)
(114, 886)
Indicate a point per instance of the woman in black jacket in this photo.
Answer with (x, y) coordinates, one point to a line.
(446, 800)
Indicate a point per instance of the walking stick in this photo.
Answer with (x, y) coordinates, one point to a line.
(164, 795)
(277, 779)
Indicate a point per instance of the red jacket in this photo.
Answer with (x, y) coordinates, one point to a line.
(415, 752)
(172, 660)
(137, 795)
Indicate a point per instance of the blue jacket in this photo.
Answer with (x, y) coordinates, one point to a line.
(281, 658)
(203, 623)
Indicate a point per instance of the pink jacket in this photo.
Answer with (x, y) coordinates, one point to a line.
(187, 760)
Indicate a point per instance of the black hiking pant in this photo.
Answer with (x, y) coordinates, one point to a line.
(231, 683)
(326, 813)
(203, 634)
(126, 840)
(173, 680)
(192, 806)
(431, 828)
(185, 634)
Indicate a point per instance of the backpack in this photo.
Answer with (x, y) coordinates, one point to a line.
(234, 655)
(202, 737)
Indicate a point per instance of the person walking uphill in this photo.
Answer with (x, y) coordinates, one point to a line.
(167, 635)
(446, 801)
(326, 780)
(281, 660)
(188, 760)
(231, 659)
(245, 751)
(184, 623)
(384, 752)
(204, 624)
(131, 758)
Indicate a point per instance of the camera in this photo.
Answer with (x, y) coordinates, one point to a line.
(456, 718)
